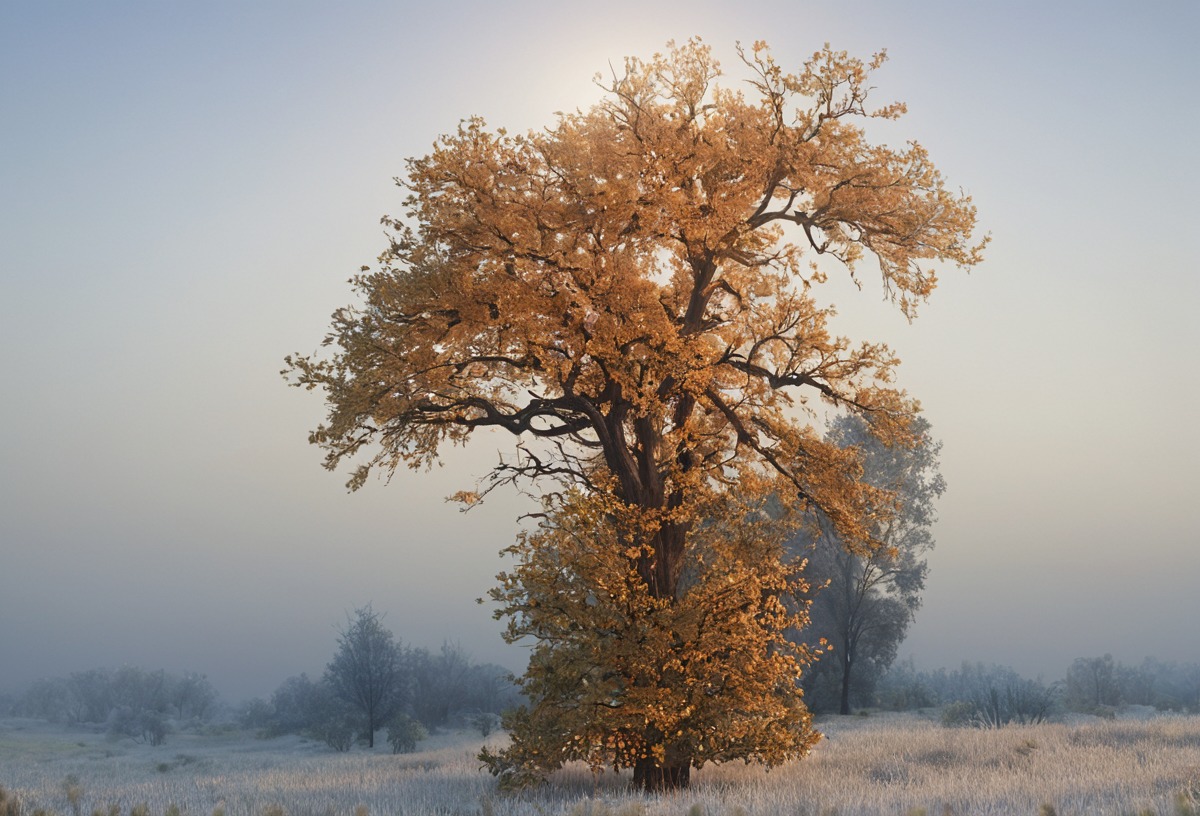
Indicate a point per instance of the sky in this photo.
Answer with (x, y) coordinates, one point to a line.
(186, 187)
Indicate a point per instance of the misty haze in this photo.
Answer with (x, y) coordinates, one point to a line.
(747, 424)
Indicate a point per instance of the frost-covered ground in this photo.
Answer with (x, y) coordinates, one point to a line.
(888, 764)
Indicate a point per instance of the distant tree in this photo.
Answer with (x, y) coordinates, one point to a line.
(46, 699)
(1091, 684)
(256, 714)
(296, 706)
(866, 598)
(91, 695)
(191, 696)
(301, 705)
(1176, 685)
(438, 683)
(446, 685)
(492, 689)
(140, 704)
(443, 683)
(368, 672)
(1136, 685)
(1184, 687)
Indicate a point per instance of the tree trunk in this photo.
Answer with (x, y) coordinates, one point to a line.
(659, 569)
(649, 777)
(844, 708)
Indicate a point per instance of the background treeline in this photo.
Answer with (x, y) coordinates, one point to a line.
(435, 690)
(373, 683)
(445, 689)
(130, 701)
(993, 695)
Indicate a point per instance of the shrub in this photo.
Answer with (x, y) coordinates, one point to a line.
(958, 713)
(336, 730)
(154, 727)
(404, 733)
(142, 726)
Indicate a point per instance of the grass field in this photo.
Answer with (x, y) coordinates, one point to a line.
(886, 764)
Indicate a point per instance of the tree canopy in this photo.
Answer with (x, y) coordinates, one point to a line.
(633, 293)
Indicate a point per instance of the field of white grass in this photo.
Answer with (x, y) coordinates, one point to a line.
(883, 764)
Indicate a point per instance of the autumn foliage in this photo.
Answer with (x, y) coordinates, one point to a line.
(633, 293)
(621, 678)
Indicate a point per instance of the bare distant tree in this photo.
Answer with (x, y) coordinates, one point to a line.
(368, 670)
(441, 683)
(46, 699)
(191, 696)
(90, 696)
(1091, 683)
(872, 595)
(140, 704)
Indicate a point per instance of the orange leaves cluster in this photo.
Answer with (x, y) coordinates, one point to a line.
(617, 675)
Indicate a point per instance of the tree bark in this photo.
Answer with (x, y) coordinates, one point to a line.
(845, 705)
(660, 570)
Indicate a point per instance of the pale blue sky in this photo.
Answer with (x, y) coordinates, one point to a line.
(185, 187)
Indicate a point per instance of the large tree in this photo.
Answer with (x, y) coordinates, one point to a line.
(868, 598)
(367, 672)
(632, 293)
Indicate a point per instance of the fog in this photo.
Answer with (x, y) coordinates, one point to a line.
(186, 189)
